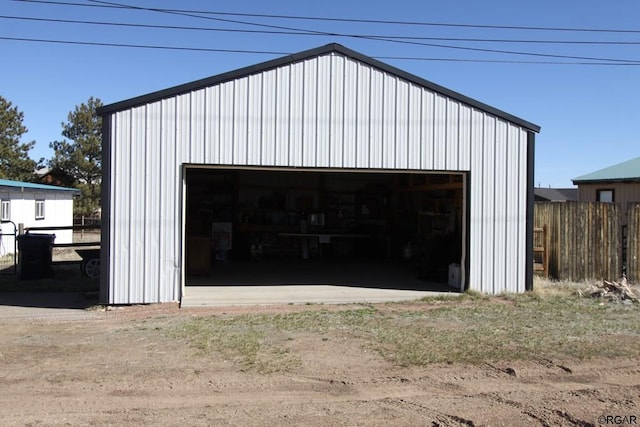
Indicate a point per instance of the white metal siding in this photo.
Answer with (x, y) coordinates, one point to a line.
(326, 112)
(498, 205)
(58, 212)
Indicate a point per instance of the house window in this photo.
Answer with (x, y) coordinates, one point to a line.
(5, 210)
(39, 209)
(605, 196)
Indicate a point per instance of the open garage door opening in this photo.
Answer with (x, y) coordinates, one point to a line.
(351, 228)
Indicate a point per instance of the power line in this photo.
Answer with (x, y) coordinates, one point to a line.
(141, 46)
(378, 38)
(191, 28)
(262, 52)
(345, 20)
(507, 52)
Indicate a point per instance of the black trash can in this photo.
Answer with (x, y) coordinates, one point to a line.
(35, 252)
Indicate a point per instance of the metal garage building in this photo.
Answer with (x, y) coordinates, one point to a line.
(323, 156)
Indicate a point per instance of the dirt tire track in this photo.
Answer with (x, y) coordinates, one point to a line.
(121, 368)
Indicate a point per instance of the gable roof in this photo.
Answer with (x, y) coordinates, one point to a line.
(289, 59)
(625, 171)
(7, 183)
(555, 194)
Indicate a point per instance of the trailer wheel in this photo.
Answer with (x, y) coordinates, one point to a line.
(92, 268)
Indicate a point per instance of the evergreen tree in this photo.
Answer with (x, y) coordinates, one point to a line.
(15, 163)
(80, 155)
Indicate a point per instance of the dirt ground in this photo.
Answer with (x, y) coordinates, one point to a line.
(121, 367)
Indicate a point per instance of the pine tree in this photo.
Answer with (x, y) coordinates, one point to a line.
(80, 156)
(15, 163)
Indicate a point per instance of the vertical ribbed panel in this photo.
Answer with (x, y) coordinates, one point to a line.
(363, 117)
(500, 211)
(329, 111)
(227, 122)
(487, 212)
(152, 203)
(282, 105)
(320, 156)
(452, 156)
(464, 142)
(350, 123)
(498, 205)
(440, 142)
(414, 127)
(267, 120)
(309, 122)
(376, 121)
(337, 117)
(401, 125)
(427, 130)
(388, 122)
(240, 116)
(291, 151)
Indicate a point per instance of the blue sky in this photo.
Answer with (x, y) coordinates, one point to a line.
(588, 113)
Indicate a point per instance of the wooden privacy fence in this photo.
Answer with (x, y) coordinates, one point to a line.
(632, 242)
(584, 239)
(589, 240)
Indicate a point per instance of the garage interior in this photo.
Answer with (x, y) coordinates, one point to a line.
(383, 229)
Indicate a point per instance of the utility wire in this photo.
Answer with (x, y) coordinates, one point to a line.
(583, 58)
(349, 20)
(507, 52)
(262, 52)
(142, 46)
(191, 28)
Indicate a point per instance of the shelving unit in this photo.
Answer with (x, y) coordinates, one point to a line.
(432, 212)
(211, 199)
(270, 216)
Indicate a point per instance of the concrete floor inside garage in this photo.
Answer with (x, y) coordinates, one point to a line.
(304, 282)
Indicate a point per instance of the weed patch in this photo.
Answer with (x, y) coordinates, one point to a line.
(474, 329)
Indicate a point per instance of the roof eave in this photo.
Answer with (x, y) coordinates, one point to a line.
(607, 181)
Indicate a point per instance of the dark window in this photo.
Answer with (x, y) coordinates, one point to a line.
(605, 196)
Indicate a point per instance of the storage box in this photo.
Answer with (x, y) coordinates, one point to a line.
(454, 276)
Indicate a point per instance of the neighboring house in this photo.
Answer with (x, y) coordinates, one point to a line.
(556, 194)
(34, 205)
(619, 183)
(366, 149)
(54, 176)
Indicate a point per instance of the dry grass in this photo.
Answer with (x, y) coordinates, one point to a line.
(554, 321)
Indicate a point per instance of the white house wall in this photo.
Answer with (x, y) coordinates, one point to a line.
(58, 212)
(325, 112)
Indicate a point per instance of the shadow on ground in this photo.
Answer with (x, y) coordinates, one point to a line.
(66, 288)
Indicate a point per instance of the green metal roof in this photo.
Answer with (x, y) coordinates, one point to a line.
(625, 171)
(34, 186)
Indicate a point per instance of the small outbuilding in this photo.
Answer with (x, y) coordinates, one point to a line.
(619, 183)
(34, 205)
(322, 162)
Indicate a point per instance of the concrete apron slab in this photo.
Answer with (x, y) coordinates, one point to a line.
(209, 296)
